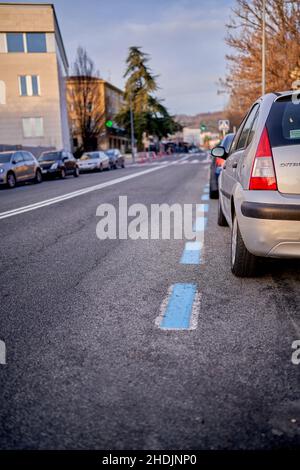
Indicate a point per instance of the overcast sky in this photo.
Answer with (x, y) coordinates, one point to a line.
(185, 39)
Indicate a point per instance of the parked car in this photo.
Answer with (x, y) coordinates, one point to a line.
(18, 166)
(58, 163)
(91, 161)
(116, 159)
(216, 167)
(260, 184)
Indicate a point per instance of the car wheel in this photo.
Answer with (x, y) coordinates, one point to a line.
(123, 165)
(101, 167)
(222, 222)
(11, 180)
(63, 173)
(213, 193)
(38, 177)
(76, 172)
(243, 263)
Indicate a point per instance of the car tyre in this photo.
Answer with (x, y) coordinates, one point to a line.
(38, 177)
(222, 222)
(243, 263)
(213, 193)
(62, 173)
(11, 180)
(76, 172)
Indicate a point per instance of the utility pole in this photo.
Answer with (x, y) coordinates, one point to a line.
(263, 59)
(132, 130)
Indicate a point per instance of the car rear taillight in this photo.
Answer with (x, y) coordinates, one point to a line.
(263, 173)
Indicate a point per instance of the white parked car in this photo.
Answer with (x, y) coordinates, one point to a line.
(94, 161)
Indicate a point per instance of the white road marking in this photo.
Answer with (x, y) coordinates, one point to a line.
(2, 353)
(80, 192)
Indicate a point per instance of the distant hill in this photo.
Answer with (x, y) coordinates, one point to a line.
(209, 119)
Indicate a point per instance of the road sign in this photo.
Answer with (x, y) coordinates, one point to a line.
(224, 125)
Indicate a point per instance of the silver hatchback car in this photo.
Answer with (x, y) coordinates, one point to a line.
(18, 166)
(260, 184)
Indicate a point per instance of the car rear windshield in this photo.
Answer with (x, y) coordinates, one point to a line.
(47, 157)
(110, 153)
(5, 157)
(283, 123)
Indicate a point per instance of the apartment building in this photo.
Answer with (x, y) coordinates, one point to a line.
(33, 67)
(110, 100)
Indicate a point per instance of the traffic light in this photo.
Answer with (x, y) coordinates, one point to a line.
(109, 123)
(202, 127)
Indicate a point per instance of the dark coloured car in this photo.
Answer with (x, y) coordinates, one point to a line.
(116, 159)
(18, 166)
(58, 163)
(216, 167)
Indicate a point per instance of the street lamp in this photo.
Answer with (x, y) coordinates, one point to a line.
(263, 65)
(132, 129)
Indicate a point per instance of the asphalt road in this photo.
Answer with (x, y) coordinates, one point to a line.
(87, 365)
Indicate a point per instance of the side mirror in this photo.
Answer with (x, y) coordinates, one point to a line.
(14, 162)
(219, 152)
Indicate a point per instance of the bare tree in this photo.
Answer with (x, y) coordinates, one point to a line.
(244, 33)
(86, 109)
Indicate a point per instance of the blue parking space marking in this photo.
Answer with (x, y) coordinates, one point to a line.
(205, 197)
(179, 309)
(192, 253)
(206, 190)
(200, 224)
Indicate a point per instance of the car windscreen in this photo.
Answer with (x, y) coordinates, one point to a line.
(88, 156)
(283, 122)
(48, 157)
(5, 157)
(110, 153)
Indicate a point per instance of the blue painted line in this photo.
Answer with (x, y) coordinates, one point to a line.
(206, 207)
(191, 253)
(205, 197)
(200, 224)
(180, 306)
(206, 190)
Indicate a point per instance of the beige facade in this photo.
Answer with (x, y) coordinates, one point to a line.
(33, 67)
(111, 101)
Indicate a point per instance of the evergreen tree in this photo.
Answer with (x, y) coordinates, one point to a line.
(150, 116)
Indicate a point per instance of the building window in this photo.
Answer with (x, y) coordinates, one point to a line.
(36, 42)
(33, 127)
(29, 85)
(15, 42)
(26, 42)
(2, 92)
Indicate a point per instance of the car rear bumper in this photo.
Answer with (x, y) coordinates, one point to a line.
(257, 210)
(270, 228)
